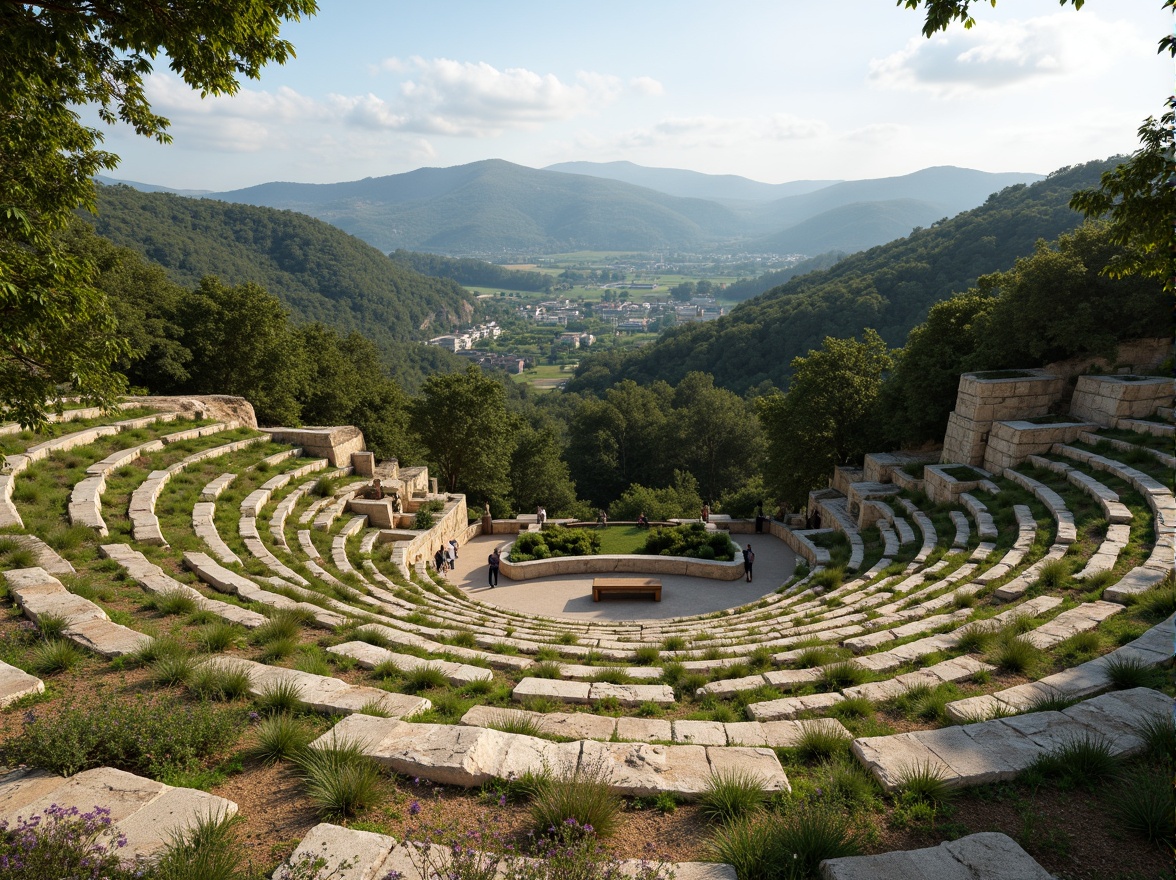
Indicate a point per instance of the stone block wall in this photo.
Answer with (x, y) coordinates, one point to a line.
(984, 398)
(943, 487)
(844, 476)
(1106, 399)
(880, 467)
(1010, 443)
(334, 444)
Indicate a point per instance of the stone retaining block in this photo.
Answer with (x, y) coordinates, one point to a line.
(988, 855)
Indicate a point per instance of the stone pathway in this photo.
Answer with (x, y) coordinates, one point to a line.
(471, 756)
(39, 594)
(371, 656)
(147, 812)
(348, 854)
(628, 695)
(985, 856)
(992, 751)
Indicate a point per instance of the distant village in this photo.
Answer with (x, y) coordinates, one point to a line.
(625, 317)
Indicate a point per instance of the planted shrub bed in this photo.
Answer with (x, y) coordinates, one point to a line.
(692, 541)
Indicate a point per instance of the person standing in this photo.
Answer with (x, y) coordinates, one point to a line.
(748, 561)
(450, 558)
(706, 513)
(495, 559)
(439, 561)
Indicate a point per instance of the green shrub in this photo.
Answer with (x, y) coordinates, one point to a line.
(1144, 805)
(207, 850)
(175, 602)
(789, 847)
(280, 696)
(212, 682)
(423, 678)
(1014, 654)
(1052, 575)
(149, 738)
(1126, 672)
(1159, 602)
(647, 655)
(828, 578)
(280, 737)
(51, 656)
(424, 520)
(924, 782)
(324, 487)
(975, 638)
(215, 638)
(814, 655)
(339, 779)
(843, 674)
(581, 795)
(731, 794)
(673, 643)
(283, 623)
(1081, 760)
(172, 669)
(848, 781)
(277, 649)
(1158, 733)
(690, 540)
(820, 741)
(52, 625)
(555, 540)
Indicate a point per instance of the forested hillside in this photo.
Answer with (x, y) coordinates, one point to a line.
(317, 271)
(477, 273)
(889, 288)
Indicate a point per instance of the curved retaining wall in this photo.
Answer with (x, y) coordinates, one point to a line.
(634, 564)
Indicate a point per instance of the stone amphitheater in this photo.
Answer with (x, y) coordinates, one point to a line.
(1052, 531)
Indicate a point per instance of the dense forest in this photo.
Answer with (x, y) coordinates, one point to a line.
(318, 272)
(889, 288)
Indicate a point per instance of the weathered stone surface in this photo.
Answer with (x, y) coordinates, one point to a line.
(790, 707)
(38, 593)
(568, 691)
(631, 695)
(19, 788)
(346, 854)
(760, 762)
(370, 656)
(644, 729)
(122, 793)
(643, 769)
(700, 733)
(985, 856)
(152, 827)
(106, 637)
(16, 683)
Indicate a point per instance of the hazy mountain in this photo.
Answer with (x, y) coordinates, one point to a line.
(949, 188)
(692, 184)
(495, 206)
(850, 228)
(889, 288)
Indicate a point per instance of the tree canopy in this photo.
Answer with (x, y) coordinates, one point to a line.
(59, 329)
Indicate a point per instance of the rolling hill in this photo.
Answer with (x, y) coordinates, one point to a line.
(850, 228)
(889, 288)
(319, 272)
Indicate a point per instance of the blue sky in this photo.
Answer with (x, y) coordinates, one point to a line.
(775, 91)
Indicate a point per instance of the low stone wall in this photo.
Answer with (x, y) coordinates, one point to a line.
(334, 444)
(905, 481)
(1010, 443)
(943, 488)
(452, 524)
(844, 476)
(880, 467)
(1106, 399)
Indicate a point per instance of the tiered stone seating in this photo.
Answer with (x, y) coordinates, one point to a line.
(349, 853)
(148, 814)
(39, 595)
(991, 751)
(472, 756)
(985, 856)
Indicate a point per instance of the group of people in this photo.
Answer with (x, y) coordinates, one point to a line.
(445, 557)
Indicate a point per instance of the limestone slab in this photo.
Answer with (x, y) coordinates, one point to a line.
(988, 855)
(106, 637)
(760, 762)
(631, 695)
(790, 707)
(568, 691)
(700, 733)
(176, 810)
(116, 790)
(644, 729)
(644, 769)
(16, 683)
(345, 853)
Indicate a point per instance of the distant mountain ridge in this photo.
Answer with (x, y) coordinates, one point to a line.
(889, 288)
(494, 207)
(692, 184)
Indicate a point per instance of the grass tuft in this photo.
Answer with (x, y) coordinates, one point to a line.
(731, 794)
(582, 795)
(339, 779)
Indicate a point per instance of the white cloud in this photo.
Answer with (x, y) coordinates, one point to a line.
(647, 85)
(994, 55)
(719, 131)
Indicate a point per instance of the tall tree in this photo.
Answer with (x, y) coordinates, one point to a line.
(719, 437)
(57, 328)
(827, 416)
(462, 421)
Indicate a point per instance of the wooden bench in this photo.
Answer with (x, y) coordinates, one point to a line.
(612, 586)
